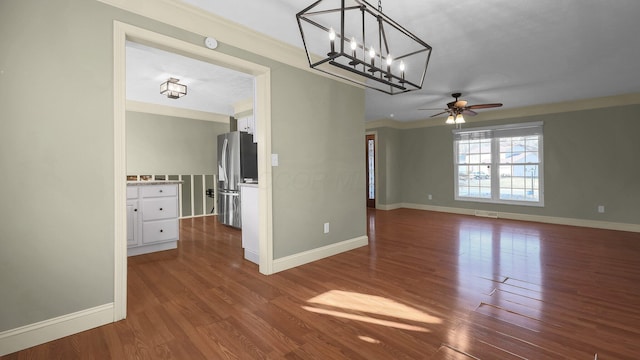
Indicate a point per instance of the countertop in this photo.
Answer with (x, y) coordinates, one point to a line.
(254, 185)
(154, 182)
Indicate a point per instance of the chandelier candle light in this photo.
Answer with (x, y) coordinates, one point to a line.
(355, 41)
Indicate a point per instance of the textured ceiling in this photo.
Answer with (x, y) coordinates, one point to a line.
(210, 88)
(517, 52)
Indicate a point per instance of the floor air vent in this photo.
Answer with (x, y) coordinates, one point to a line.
(490, 214)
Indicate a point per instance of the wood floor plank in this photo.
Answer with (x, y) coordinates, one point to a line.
(429, 286)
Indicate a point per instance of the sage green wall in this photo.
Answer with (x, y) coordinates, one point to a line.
(591, 159)
(159, 144)
(58, 204)
(56, 142)
(321, 174)
(317, 130)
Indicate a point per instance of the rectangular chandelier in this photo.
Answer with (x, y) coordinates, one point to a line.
(355, 41)
(173, 89)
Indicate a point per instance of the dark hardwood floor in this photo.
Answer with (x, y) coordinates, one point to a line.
(429, 286)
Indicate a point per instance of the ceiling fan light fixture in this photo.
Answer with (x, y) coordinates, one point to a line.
(457, 107)
(173, 89)
(354, 40)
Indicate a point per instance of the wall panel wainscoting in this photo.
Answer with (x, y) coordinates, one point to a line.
(197, 192)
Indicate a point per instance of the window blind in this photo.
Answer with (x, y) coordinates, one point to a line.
(499, 131)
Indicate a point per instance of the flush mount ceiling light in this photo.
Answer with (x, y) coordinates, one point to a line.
(172, 89)
(355, 41)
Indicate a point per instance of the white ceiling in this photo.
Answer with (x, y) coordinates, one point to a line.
(517, 52)
(210, 88)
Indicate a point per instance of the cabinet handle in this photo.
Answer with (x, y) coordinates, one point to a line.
(135, 209)
(160, 190)
(161, 230)
(160, 209)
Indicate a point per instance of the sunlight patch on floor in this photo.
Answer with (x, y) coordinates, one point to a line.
(369, 339)
(371, 309)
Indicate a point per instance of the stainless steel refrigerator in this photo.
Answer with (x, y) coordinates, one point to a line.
(237, 163)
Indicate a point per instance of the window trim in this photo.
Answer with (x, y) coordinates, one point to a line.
(495, 133)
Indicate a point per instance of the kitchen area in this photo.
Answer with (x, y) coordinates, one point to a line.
(156, 203)
(190, 155)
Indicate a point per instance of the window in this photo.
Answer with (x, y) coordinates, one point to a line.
(499, 164)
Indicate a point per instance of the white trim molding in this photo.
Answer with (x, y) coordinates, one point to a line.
(143, 107)
(596, 224)
(387, 207)
(119, 173)
(188, 17)
(305, 257)
(555, 108)
(44, 331)
(262, 74)
(243, 106)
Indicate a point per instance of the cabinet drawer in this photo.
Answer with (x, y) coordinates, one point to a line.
(159, 208)
(163, 230)
(132, 192)
(159, 190)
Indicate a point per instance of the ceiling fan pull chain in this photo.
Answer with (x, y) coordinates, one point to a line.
(380, 5)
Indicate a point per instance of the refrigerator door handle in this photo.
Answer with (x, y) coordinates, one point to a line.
(223, 170)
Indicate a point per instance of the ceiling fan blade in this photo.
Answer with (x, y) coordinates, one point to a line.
(434, 109)
(444, 112)
(484, 106)
(467, 111)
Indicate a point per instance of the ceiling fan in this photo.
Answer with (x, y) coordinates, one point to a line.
(457, 108)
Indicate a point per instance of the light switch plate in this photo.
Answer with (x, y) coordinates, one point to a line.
(274, 159)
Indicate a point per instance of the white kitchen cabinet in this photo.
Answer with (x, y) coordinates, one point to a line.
(133, 226)
(248, 124)
(133, 221)
(152, 217)
(249, 213)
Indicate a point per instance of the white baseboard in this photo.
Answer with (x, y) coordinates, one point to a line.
(44, 331)
(388, 207)
(197, 216)
(252, 256)
(523, 217)
(306, 257)
(145, 249)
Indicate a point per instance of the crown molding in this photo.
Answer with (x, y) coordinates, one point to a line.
(544, 109)
(243, 106)
(188, 17)
(149, 108)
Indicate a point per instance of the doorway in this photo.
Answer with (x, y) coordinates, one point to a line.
(370, 152)
(124, 32)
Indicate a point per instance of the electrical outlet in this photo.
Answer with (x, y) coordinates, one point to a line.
(326, 228)
(430, 197)
(601, 209)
